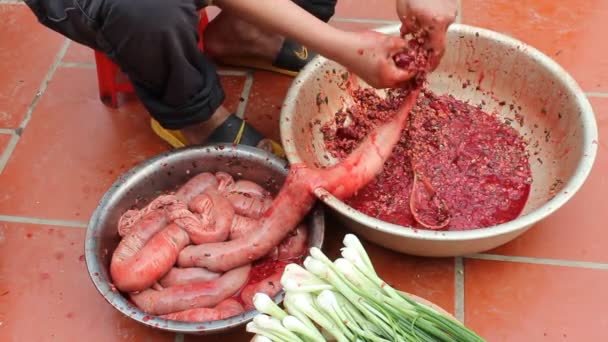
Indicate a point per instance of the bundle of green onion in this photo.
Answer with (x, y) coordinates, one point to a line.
(345, 300)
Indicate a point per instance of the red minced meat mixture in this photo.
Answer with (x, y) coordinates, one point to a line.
(476, 164)
(415, 59)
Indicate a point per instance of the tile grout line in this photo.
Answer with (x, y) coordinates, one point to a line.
(6, 131)
(459, 288)
(8, 151)
(45, 82)
(459, 14)
(539, 261)
(240, 111)
(28, 115)
(596, 94)
(179, 338)
(47, 222)
(12, 2)
(83, 65)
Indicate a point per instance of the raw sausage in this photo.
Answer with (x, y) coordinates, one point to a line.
(133, 216)
(295, 244)
(242, 225)
(270, 286)
(127, 220)
(249, 187)
(196, 185)
(225, 181)
(142, 257)
(248, 205)
(215, 217)
(182, 276)
(227, 308)
(248, 198)
(192, 296)
(292, 203)
(133, 220)
(296, 197)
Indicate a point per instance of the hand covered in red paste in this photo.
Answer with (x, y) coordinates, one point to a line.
(433, 16)
(370, 57)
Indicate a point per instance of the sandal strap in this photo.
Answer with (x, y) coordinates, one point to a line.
(236, 130)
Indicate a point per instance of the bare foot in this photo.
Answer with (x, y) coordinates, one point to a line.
(227, 36)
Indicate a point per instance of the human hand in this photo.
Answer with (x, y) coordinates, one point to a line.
(370, 56)
(433, 16)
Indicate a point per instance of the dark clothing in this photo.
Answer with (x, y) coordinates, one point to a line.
(155, 43)
(322, 9)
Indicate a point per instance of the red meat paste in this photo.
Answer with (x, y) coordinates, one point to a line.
(475, 165)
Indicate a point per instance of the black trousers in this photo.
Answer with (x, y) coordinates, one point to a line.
(155, 43)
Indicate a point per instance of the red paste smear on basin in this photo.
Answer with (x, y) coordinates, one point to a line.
(475, 163)
(263, 269)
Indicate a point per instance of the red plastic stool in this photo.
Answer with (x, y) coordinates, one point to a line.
(112, 81)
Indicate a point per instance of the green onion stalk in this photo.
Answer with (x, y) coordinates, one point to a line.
(345, 300)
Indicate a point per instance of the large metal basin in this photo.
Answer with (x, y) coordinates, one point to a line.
(163, 173)
(558, 122)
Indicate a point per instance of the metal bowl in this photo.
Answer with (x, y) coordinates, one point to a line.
(166, 172)
(558, 122)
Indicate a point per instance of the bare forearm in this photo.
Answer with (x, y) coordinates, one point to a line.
(365, 54)
(288, 19)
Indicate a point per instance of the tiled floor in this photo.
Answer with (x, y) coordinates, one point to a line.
(61, 150)
(567, 32)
